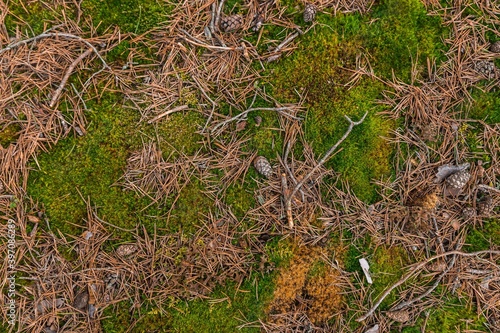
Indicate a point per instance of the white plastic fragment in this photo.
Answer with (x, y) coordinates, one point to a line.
(374, 329)
(365, 267)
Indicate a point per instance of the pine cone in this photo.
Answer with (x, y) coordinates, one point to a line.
(468, 213)
(401, 316)
(231, 23)
(457, 181)
(495, 47)
(125, 250)
(263, 166)
(485, 206)
(258, 120)
(81, 300)
(309, 12)
(485, 68)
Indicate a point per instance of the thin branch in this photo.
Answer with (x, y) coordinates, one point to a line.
(64, 80)
(490, 188)
(284, 43)
(195, 41)
(166, 113)
(431, 289)
(219, 11)
(244, 113)
(417, 269)
(288, 201)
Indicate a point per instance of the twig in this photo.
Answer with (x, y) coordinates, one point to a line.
(166, 113)
(486, 187)
(195, 41)
(288, 201)
(417, 269)
(244, 113)
(284, 43)
(434, 285)
(71, 67)
(212, 18)
(285, 190)
(219, 11)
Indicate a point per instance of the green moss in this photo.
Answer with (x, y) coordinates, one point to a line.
(89, 167)
(393, 34)
(387, 267)
(136, 16)
(452, 317)
(481, 238)
(245, 304)
(401, 32)
(241, 199)
(190, 208)
(32, 17)
(315, 70)
(9, 135)
(178, 133)
(486, 106)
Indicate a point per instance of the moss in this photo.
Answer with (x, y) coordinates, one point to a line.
(178, 133)
(481, 238)
(247, 303)
(401, 32)
(32, 17)
(387, 267)
(136, 16)
(315, 70)
(89, 167)
(190, 208)
(485, 106)
(241, 199)
(9, 135)
(452, 317)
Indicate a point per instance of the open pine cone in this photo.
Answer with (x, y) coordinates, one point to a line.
(231, 23)
(495, 47)
(485, 68)
(457, 181)
(263, 166)
(310, 12)
(485, 206)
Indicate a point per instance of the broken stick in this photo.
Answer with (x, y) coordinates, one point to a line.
(288, 201)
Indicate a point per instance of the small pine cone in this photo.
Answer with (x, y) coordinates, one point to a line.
(458, 180)
(485, 206)
(81, 300)
(400, 316)
(309, 12)
(125, 250)
(258, 120)
(485, 68)
(495, 47)
(437, 266)
(468, 213)
(231, 23)
(263, 166)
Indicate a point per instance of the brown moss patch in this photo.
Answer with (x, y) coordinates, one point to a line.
(308, 285)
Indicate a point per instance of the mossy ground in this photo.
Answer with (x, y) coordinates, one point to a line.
(395, 34)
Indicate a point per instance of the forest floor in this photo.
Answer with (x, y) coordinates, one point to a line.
(222, 166)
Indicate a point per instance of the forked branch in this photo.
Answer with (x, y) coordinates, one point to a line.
(328, 154)
(416, 269)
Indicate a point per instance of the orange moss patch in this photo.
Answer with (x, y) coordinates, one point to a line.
(308, 285)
